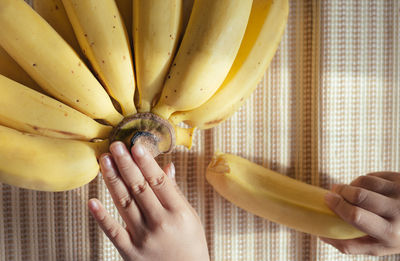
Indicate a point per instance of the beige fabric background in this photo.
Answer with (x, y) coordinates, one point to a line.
(327, 110)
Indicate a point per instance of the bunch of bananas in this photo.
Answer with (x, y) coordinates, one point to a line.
(69, 86)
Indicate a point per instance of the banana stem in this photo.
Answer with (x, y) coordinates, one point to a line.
(155, 133)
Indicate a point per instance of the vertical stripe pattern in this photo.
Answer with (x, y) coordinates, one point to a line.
(326, 111)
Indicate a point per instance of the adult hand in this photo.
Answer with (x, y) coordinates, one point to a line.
(372, 204)
(160, 223)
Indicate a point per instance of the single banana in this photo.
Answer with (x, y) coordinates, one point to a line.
(11, 69)
(47, 164)
(51, 62)
(102, 36)
(265, 28)
(276, 197)
(26, 110)
(53, 12)
(208, 49)
(125, 9)
(156, 29)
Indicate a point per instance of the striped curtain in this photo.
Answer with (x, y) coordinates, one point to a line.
(327, 111)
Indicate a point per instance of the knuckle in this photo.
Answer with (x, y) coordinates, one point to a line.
(113, 232)
(359, 196)
(125, 201)
(160, 224)
(157, 182)
(124, 163)
(183, 216)
(391, 234)
(163, 226)
(355, 216)
(342, 247)
(138, 188)
(374, 252)
(112, 179)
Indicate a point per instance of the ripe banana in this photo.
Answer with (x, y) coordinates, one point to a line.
(51, 62)
(206, 54)
(103, 38)
(125, 9)
(26, 110)
(266, 25)
(11, 69)
(53, 12)
(276, 197)
(47, 164)
(187, 6)
(156, 31)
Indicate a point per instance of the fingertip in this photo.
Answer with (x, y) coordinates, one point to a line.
(105, 161)
(117, 148)
(138, 150)
(93, 205)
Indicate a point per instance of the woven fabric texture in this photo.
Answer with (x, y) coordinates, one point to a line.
(326, 111)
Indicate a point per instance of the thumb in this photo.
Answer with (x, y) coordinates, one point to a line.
(169, 170)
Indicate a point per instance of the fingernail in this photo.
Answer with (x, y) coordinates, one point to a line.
(105, 161)
(172, 170)
(332, 199)
(93, 205)
(138, 150)
(118, 148)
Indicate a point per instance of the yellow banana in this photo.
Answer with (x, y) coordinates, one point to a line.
(103, 38)
(276, 197)
(156, 31)
(266, 25)
(51, 62)
(53, 12)
(208, 49)
(125, 8)
(187, 6)
(26, 110)
(11, 69)
(47, 164)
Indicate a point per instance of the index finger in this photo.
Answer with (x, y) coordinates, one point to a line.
(366, 221)
(162, 186)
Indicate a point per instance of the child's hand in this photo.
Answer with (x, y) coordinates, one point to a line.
(160, 223)
(372, 204)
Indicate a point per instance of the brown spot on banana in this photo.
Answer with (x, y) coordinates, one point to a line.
(63, 134)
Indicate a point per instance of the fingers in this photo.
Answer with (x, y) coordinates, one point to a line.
(114, 231)
(169, 170)
(162, 186)
(377, 184)
(362, 219)
(358, 246)
(136, 184)
(392, 176)
(120, 194)
(367, 200)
